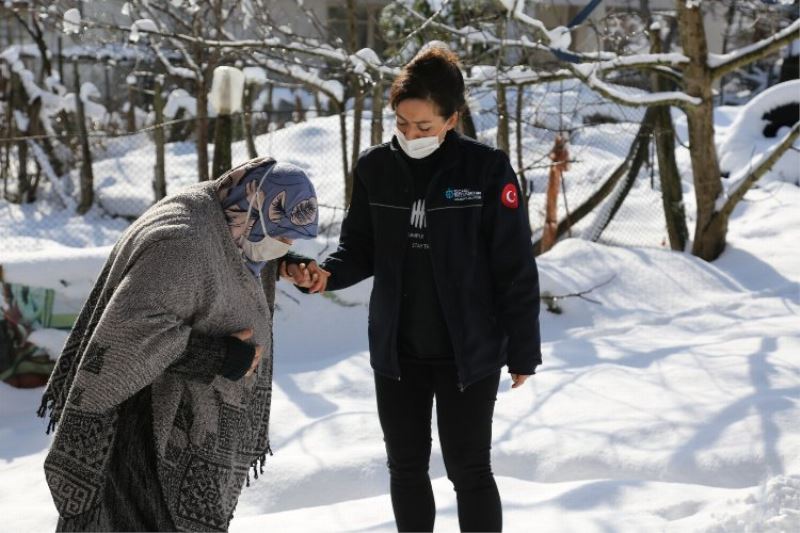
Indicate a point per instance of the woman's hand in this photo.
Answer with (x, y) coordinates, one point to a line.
(243, 336)
(518, 380)
(311, 276)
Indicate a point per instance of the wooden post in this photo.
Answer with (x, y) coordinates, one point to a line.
(223, 137)
(87, 177)
(247, 121)
(159, 173)
(227, 92)
(560, 157)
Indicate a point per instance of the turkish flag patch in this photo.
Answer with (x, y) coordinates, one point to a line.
(509, 197)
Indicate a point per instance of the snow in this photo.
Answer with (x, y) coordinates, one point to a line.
(560, 37)
(72, 21)
(255, 75)
(744, 143)
(89, 90)
(145, 25)
(671, 406)
(51, 340)
(363, 58)
(180, 99)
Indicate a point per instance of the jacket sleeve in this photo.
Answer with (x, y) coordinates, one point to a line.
(202, 359)
(513, 266)
(145, 330)
(353, 260)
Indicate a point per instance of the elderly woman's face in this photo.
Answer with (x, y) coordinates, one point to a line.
(418, 118)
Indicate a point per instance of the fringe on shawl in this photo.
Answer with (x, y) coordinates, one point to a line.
(257, 466)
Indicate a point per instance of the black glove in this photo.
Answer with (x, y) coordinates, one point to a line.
(238, 358)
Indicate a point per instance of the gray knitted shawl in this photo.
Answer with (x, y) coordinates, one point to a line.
(173, 287)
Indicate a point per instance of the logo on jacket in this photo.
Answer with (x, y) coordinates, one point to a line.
(418, 214)
(462, 195)
(509, 196)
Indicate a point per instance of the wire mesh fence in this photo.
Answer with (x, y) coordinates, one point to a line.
(600, 135)
(123, 167)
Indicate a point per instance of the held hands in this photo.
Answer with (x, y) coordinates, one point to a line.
(311, 276)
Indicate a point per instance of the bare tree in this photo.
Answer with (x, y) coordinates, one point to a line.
(695, 71)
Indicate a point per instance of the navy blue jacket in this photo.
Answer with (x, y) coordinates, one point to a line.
(480, 245)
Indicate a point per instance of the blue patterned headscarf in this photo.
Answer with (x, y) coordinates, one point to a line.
(286, 200)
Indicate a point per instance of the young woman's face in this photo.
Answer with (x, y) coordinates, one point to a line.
(418, 118)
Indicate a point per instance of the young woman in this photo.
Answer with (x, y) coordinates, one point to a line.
(437, 219)
(161, 397)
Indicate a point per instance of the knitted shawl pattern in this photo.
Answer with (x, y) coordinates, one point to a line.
(172, 288)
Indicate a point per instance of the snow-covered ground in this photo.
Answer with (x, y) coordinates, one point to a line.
(671, 405)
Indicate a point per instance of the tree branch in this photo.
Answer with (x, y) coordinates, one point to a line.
(745, 183)
(551, 300)
(723, 64)
(588, 74)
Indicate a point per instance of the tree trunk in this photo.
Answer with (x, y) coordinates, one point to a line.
(523, 181)
(502, 119)
(131, 115)
(23, 183)
(159, 173)
(34, 129)
(201, 129)
(17, 102)
(725, 40)
(87, 177)
(60, 59)
(358, 113)
(348, 176)
(44, 53)
(8, 132)
(376, 134)
(709, 236)
(640, 156)
(671, 187)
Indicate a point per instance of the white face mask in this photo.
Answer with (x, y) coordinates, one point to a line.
(419, 148)
(267, 248)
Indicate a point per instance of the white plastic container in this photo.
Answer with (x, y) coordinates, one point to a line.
(227, 89)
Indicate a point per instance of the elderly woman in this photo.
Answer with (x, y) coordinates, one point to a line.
(161, 397)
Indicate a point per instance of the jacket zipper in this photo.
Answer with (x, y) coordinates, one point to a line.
(460, 384)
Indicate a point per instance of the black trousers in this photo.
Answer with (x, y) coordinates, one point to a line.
(465, 433)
